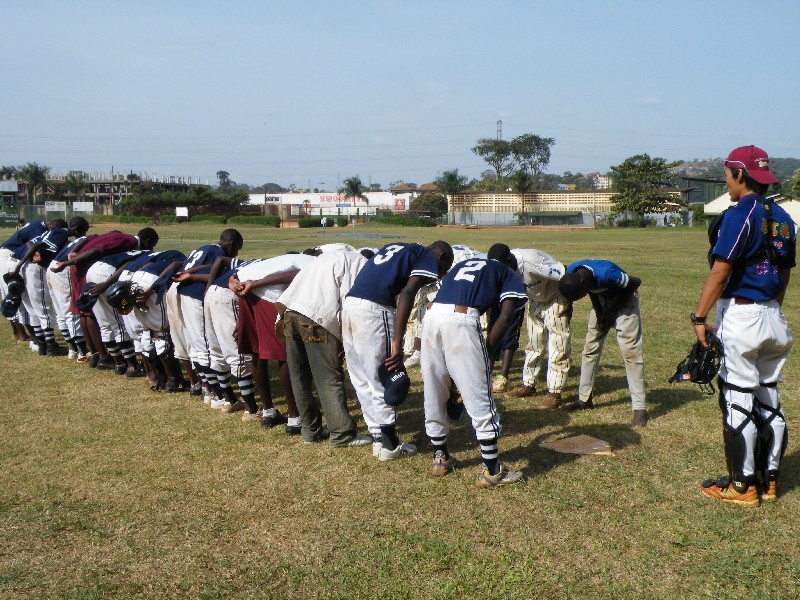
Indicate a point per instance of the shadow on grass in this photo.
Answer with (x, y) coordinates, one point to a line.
(667, 399)
(790, 473)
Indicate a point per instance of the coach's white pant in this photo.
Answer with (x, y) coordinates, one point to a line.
(222, 318)
(61, 293)
(176, 330)
(756, 341)
(367, 332)
(453, 346)
(547, 328)
(112, 326)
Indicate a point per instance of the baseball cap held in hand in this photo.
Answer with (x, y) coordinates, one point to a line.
(395, 385)
(753, 160)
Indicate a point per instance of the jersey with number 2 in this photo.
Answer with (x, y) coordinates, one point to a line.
(480, 283)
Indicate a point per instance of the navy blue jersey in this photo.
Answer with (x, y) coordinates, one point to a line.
(64, 252)
(54, 240)
(204, 255)
(120, 258)
(481, 283)
(388, 272)
(155, 262)
(610, 279)
(742, 240)
(25, 234)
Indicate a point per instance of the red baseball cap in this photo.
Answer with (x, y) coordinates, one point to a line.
(753, 160)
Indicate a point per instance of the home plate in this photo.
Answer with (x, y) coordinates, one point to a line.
(580, 444)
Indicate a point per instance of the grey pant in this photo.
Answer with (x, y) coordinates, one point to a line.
(313, 356)
(628, 325)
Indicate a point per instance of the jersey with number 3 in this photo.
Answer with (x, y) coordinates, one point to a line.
(388, 272)
(481, 283)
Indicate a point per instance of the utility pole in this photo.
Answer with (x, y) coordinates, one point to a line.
(499, 129)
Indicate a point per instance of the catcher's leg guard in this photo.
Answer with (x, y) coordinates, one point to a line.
(739, 434)
(773, 435)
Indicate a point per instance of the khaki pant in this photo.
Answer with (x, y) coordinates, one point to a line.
(628, 326)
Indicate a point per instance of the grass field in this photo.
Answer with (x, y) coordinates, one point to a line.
(110, 490)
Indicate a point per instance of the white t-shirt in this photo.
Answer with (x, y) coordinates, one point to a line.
(540, 273)
(319, 289)
(272, 266)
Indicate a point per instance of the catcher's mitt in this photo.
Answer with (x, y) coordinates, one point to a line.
(701, 365)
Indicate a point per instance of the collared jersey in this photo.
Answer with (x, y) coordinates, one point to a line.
(540, 273)
(609, 278)
(25, 234)
(273, 266)
(742, 234)
(53, 239)
(387, 273)
(318, 291)
(480, 283)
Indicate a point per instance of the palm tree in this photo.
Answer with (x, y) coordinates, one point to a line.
(522, 182)
(76, 184)
(33, 174)
(354, 188)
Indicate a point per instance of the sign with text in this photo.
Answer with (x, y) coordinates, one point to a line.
(86, 207)
(55, 206)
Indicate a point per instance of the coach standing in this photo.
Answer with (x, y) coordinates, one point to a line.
(753, 255)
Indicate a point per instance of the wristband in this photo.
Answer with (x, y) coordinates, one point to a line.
(698, 320)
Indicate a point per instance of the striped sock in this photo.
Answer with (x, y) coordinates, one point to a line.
(490, 455)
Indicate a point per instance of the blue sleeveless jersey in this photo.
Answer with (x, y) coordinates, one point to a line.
(204, 255)
(481, 283)
(388, 272)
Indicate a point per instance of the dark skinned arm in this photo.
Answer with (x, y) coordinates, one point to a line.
(405, 302)
(507, 309)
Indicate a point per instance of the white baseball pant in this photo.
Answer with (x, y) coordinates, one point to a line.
(367, 332)
(453, 346)
(547, 328)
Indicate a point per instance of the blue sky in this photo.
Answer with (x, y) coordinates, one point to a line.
(307, 92)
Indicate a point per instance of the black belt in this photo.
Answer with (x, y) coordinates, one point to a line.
(743, 301)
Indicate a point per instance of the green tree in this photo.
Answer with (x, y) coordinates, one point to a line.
(794, 185)
(498, 154)
(34, 175)
(8, 173)
(522, 182)
(225, 183)
(429, 202)
(75, 183)
(450, 182)
(640, 186)
(532, 153)
(353, 188)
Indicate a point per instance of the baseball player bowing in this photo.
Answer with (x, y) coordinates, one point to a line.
(453, 346)
(372, 329)
(548, 325)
